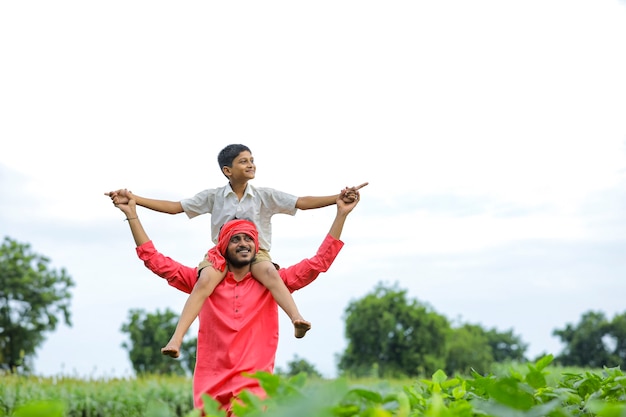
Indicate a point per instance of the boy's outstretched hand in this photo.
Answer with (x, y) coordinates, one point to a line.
(350, 194)
(121, 196)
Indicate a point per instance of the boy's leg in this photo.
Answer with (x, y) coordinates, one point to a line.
(265, 272)
(207, 281)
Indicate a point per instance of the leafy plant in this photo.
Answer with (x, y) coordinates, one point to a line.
(532, 390)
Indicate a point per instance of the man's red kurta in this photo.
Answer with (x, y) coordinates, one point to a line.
(238, 323)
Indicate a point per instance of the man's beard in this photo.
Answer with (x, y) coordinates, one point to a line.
(239, 264)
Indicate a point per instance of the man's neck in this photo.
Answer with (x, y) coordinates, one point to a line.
(239, 273)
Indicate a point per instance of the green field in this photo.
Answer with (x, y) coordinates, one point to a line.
(532, 390)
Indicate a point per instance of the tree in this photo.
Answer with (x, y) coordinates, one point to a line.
(148, 333)
(468, 349)
(298, 365)
(617, 331)
(470, 346)
(586, 343)
(33, 298)
(506, 346)
(396, 336)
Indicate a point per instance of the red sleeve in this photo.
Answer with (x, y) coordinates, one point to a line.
(177, 275)
(306, 271)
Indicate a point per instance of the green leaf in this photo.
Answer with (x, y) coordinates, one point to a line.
(439, 376)
(536, 379)
(41, 409)
(211, 407)
(543, 362)
(369, 395)
(511, 393)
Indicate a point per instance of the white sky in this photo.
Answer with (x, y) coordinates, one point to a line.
(491, 132)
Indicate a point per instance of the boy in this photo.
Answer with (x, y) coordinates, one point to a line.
(237, 199)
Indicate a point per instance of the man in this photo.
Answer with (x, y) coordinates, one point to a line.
(238, 323)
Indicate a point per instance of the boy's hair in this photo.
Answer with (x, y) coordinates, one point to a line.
(227, 155)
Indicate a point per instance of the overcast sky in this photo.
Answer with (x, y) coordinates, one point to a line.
(492, 134)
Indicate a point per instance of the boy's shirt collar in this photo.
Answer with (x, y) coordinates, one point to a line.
(248, 191)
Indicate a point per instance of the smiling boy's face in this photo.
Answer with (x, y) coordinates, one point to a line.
(243, 167)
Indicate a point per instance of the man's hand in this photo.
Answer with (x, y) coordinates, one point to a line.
(346, 204)
(129, 208)
(121, 196)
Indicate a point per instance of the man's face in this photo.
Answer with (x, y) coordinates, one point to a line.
(241, 250)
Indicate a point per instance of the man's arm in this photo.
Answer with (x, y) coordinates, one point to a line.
(343, 209)
(307, 203)
(176, 274)
(136, 228)
(307, 270)
(123, 196)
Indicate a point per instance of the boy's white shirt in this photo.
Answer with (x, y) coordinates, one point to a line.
(257, 204)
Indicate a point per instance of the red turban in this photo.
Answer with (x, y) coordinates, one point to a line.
(216, 254)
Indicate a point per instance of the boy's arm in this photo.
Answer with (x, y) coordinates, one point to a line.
(123, 196)
(307, 203)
